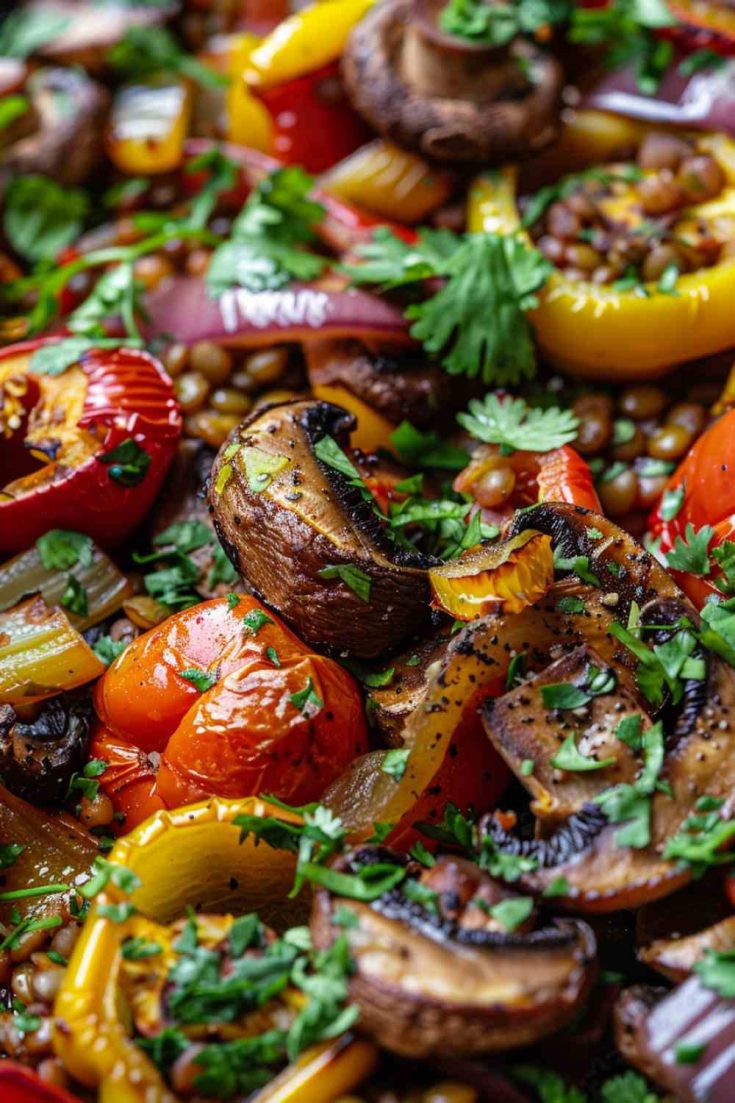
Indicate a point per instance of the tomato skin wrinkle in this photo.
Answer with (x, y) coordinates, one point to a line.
(239, 736)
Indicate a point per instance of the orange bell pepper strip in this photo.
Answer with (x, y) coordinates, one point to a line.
(189, 857)
(591, 330)
(233, 703)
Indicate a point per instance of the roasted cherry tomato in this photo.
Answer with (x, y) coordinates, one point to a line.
(19, 1084)
(229, 703)
(86, 449)
(501, 483)
(701, 492)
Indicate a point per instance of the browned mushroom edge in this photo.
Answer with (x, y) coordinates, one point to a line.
(445, 98)
(283, 516)
(70, 110)
(435, 973)
(582, 853)
(87, 30)
(398, 383)
(40, 752)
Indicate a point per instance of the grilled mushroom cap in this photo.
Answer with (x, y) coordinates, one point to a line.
(70, 109)
(436, 975)
(449, 99)
(600, 874)
(38, 755)
(286, 517)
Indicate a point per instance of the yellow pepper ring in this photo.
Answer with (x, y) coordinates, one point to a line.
(304, 42)
(592, 331)
(188, 857)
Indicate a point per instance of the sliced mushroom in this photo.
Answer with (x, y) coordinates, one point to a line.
(655, 1031)
(86, 30)
(393, 705)
(675, 957)
(40, 752)
(305, 537)
(70, 109)
(436, 974)
(699, 734)
(449, 99)
(396, 383)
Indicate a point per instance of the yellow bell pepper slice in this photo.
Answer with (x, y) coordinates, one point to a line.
(248, 120)
(188, 857)
(593, 331)
(149, 124)
(305, 41)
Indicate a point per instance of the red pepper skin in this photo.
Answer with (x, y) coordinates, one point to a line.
(315, 125)
(706, 475)
(563, 476)
(19, 1084)
(128, 396)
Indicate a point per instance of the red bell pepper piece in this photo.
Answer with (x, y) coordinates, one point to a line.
(57, 468)
(705, 478)
(19, 1084)
(315, 125)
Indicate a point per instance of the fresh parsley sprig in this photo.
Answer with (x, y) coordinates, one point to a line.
(475, 322)
(147, 51)
(626, 30)
(513, 424)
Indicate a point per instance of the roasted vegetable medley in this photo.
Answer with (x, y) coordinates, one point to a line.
(367, 551)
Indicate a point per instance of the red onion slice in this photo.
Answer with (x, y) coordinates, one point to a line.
(705, 100)
(181, 307)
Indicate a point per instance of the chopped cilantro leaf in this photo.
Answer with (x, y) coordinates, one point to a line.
(690, 552)
(61, 549)
(512, 424)
(395, 761)
(255, 619)
(127, 462)
(307, 700)
(200, 679)
(569, 757)
(354, 578)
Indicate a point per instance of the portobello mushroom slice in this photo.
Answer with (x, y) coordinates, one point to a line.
(398, 384)
(40, 752)
(437, 973)
(601, 869)
(70, 109)
(449, 99)
(654, 1030)
(301, 528)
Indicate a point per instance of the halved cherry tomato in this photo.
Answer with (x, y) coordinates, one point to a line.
(231, 704)
(558, 476)
(705, 478)
(19, 1084)
(59, 436)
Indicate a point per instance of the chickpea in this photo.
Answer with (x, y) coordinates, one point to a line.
(631, 446)
(210, 426)
(659, 259)
(192, 390)
(6, 967)
(494, 487)
(669, 442)
(151, 270)
(185, 1070)
(97, 811)
(582, 256)
(39, 1041)
(197, 262)
(227, 400)
(551, 247)
(618, 494)
(267, 365)
(659, 150)
(642, 401)
(690, 415)
(22, 982)
(660, 194)
(582, 206)
(47, 982)
(595, 417)
(562, 223)
(700, 178)
(650, 489)
(211, 361)
(450, 1093)
(175, 359)
(65, 939)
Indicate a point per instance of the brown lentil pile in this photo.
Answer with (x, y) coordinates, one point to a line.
(631, 222)
(31, 973)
